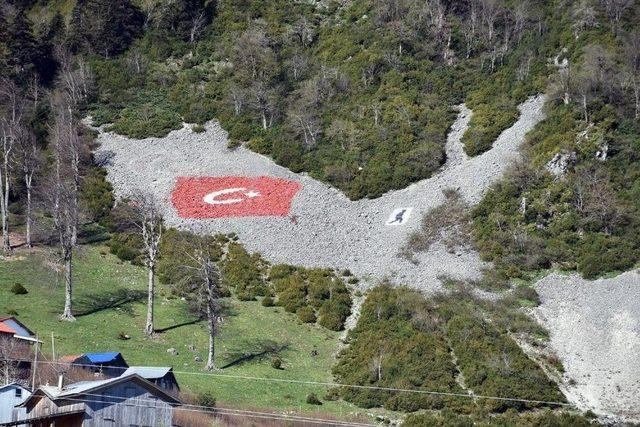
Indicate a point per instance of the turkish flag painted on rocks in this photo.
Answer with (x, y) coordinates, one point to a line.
(233, 196)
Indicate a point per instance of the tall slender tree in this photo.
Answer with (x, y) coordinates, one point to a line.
(65, 187)
(147, 218)
(12, 109)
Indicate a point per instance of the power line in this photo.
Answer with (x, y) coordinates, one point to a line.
(356, 386)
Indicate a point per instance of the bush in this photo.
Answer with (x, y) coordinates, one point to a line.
(18, 289)
(245, 296)
(146, 120)
(306, 314)
(97, 194)
(334, 312)
(127, 247)
(276, 363)
(267, 301)
(527, 295)
(312, 399)
(198, 128)
(206, 399)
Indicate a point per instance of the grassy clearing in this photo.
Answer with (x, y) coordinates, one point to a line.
(109, 300)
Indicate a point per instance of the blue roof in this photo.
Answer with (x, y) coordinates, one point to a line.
(102, 357)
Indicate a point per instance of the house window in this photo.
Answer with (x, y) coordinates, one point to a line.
(18, 393)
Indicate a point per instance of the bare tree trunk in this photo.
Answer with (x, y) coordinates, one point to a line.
(68, 282)
(211, 318)
(4, 200)
(28, 179)
(150, 295)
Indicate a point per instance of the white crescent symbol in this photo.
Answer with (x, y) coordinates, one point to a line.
(211, 197)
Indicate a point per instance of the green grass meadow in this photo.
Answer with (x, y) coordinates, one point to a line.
(110, 300)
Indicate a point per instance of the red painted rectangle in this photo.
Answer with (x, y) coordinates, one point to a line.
(233, 196)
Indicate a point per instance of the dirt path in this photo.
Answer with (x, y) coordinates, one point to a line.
(330, 230)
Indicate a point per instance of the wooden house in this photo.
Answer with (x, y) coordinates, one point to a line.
(122, 401)
(162, 376)
(10, 396)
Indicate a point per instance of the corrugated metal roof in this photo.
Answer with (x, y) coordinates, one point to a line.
(79, 388)
(148, 372)
(6, 328)
(102, 357)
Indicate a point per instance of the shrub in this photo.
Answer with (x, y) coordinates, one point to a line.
(18, 289)
(527, 295)
(127, 247)
(334, 312)
(306, 314)
(206, 399)
(233, 143)
(312, 399)
(245, 296)
(97, 193)
(267, 301)
(198, 128)
(276, 363)
(146, 120)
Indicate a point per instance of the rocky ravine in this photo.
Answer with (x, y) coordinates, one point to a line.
(331, 230)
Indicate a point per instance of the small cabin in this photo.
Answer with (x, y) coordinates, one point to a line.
(162, 376)
(123, 401)
(110, 364)
(10, 396)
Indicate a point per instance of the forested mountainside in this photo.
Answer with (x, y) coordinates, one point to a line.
(361, 95)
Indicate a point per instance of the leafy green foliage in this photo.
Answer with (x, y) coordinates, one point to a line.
(97, 193)
(359, 96)
(311, 291)
(403, 340)
(509, 418)
(146, 120)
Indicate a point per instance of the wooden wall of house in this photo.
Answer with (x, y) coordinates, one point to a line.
(46, 406)
(127, 404)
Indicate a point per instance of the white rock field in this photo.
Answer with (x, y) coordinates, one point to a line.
(330, 230)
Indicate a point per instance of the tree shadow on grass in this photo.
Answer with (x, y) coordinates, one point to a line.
(178, 325)
(117, 298)
(257, 350)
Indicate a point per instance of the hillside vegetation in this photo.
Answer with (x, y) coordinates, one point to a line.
(359, 94)
(110, 303)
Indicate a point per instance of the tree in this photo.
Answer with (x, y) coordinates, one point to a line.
(631, 68)
(148, 220)
(12, 110)
(105, 27)
(65, 186)
(29, 158)
(614, 10)
(207, 274)
(185, 19)
(190, 263)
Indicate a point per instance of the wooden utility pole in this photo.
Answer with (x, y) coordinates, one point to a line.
(53, 347)
(35, 365)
